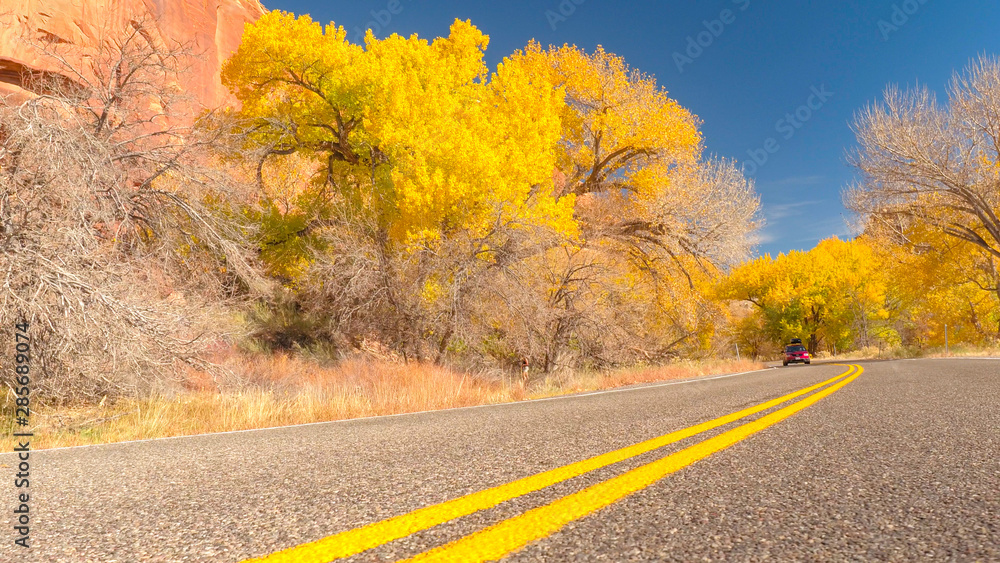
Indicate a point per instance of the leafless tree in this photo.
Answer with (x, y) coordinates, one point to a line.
(927, 163)
(114, 236)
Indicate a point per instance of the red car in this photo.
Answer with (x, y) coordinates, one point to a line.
(796, 353)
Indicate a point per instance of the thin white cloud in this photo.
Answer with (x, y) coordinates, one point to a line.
(794, 181)
(763, 237)
(827, 228)
(781, 210)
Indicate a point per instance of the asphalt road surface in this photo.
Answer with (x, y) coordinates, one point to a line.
(899, 461)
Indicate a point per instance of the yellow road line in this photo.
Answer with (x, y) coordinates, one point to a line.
(501, 539)
(352, 542)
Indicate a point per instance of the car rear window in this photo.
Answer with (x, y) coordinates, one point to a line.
(795, 349)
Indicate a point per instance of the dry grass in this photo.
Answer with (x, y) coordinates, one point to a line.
(897, 353)
(573, 382)
(279, 390)
(963, 351)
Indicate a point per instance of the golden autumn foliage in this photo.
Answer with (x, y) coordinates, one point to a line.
(621, 131)
(941, 281)
(557, 207)
(868, 292)
(634, 158)
(416, 133)
(832, 296)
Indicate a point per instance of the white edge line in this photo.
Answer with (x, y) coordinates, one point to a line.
(346, 420)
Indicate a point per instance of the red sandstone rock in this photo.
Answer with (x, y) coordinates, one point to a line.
(211, 28)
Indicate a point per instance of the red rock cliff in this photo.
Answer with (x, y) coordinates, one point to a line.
(210, 28)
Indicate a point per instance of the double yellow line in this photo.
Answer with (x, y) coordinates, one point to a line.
(509, 535)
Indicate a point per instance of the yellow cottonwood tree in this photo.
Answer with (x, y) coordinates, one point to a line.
(565, 184)
(940, 281)
(662, 217)
(835, 295)
(411, 131)
(633, 156)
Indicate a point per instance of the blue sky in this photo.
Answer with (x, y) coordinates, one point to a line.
(780, 79)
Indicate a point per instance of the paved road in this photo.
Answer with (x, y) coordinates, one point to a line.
(901, 463)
